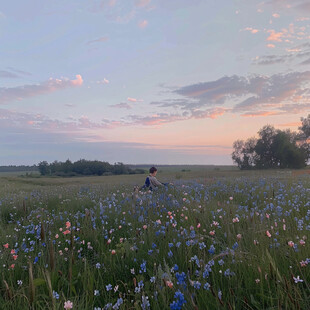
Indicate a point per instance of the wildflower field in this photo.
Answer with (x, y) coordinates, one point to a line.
(239, 241)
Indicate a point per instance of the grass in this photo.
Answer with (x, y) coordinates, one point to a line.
(202, 240)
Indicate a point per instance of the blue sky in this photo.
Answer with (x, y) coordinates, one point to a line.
(148, 81)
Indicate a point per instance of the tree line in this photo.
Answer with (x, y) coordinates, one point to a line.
(274, 148)
(14, 168)
(85, 167)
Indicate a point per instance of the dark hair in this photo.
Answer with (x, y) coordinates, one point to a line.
(153, 169)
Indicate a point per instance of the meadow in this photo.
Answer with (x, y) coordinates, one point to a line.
(215, 238)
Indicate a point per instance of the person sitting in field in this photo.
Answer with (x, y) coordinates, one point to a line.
(151, 182)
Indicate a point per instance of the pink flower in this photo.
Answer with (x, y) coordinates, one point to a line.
(303, 263)
(15, 257)
(68, 304)
(12, 251)
(113, 252)
(284, 227)
(144, 227)
(231, 198)
(109, 241)
(56, 236)
(302, 242)
(12, 266)
(6, 245)
(267, 215)
(68, 224)
(291, 243)
(239, 236)
(268, 234)
(169, 284)
(198, 225)
(66, 232)
(235, 220)
(212, 233)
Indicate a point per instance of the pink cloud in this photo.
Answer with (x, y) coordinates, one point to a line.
(122, 105)
(270, 45)
(27, 91)
(134, 99)
(275, 36)
(251, 30)
(142, 3)
(293, 124)
(276, 15)
(143, 24)
(259, 113)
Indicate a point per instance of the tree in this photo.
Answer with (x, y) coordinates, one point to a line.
(304, 135)
(43, 168)
(274, 149)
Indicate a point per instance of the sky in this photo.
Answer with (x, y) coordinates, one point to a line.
(148, 81)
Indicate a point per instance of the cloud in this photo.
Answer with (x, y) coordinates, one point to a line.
(214, 92)
(12, 73)
(294, 53)
(142, 3)
(270, 45)
(7, 74)
(255, 95)
(259, 113)
(27, 91)
(275, 36)
(20, 72)
(304, 7)
(134, 99)
(251, 30)
(293, 124)
(165, 118)
(275, 15)
(143, 24)
(305, 62)
(101, 39)
(104, 81)
(122, 105)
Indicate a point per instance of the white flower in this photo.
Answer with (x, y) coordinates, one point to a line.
(298, 279)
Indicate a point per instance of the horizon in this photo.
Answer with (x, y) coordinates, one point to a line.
(172, 82)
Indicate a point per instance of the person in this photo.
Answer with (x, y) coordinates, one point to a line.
(151, 182)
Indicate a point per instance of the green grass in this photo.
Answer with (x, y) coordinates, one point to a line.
(34, 211)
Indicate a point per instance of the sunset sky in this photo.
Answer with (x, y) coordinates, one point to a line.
(148, 81)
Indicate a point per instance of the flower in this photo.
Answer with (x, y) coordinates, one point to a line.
(291, 244)
(6, 245)
(113, 252)
(169, 284)
(68, 224)
(298, 279)
(19, 282)
(68, 305)
(268, 234)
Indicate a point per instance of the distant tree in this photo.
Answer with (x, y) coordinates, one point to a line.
(273, 149)
(84, 167)
(43, 167)
(244, 154)
(304, 135)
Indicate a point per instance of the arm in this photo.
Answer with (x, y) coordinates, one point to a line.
(155, 182)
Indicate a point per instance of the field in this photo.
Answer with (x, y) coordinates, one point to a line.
(215, 238)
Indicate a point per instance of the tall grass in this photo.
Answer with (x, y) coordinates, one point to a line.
(228, 243)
